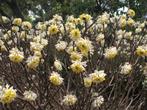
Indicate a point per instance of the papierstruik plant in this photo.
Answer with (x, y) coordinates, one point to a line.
(81, 63)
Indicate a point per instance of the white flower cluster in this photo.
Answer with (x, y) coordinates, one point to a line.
(98, 101)
(30, 95)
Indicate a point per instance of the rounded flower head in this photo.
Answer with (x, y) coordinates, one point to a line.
(131, 13)
(138, 30)
(104, 18)
(15, 28)
(85, 17)
(33, 62)
(141, 51)
(128, 35)
(53, 29)
(78, 21)
(69, 100)
(85, 46)
(17, 21)
(122, 23)
(7, 95)
(58, 65)
(77, 67)
(130, 22)
(75, 56)
(16, 55)
(98, 101)
(97, 76)
(30, 95)
(26, 25)
(75, 34)
(123, 16)
(110, 53)
(56, 79)
(126, 68)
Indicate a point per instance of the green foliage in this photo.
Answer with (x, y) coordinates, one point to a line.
(19, 8)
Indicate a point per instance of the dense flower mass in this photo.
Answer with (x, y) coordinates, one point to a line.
(74, 63)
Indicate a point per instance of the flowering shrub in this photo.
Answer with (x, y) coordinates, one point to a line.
(82, 63)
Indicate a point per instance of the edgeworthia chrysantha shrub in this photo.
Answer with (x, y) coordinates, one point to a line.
(81, 63)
